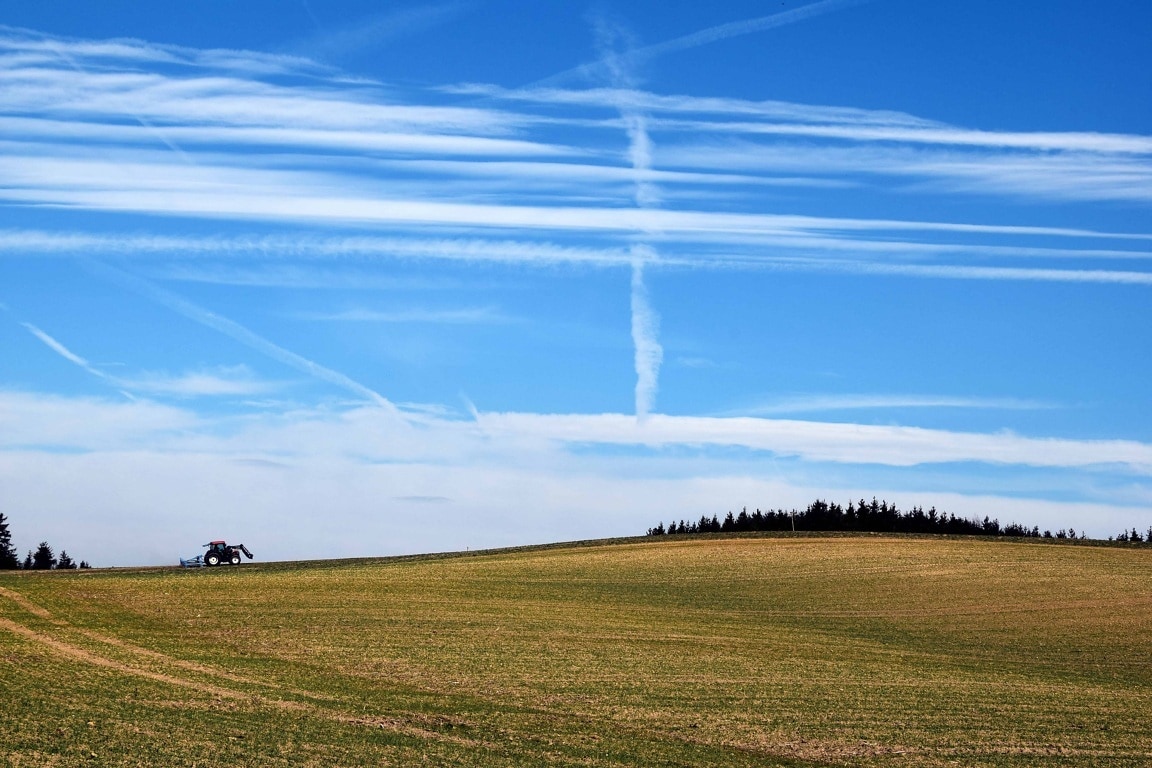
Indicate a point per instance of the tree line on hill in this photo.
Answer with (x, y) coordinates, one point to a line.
(40, 559)
(871, 517)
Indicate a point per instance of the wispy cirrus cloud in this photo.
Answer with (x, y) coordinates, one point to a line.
(241, 192)
(414, 316)
(29, 48)
(854, 402)
(968, 272)
(324, 151)
(222, 381)
(315, 260)
(824, 441)
(405, 143)
(661, 106)
(1030, 171)
(360, 432)
(41, 422)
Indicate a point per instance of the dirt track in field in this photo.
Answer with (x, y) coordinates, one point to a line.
(407, 726)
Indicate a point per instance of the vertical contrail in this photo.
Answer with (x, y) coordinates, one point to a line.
(647, 352)
(645, 333)
(617, 62)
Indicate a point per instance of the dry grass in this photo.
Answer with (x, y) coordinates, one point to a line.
(710, 651)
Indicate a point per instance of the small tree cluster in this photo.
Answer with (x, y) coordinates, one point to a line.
(42, 559)
(1133, 536)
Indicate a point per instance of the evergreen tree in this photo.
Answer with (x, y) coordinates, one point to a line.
(27, 561)
(66, 563)
(9, 560)
(43, 559)
(84, 564)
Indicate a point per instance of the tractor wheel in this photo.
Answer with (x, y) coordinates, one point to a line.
(212, 558)
(235, 558)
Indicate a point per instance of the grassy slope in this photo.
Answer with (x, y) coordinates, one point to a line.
(709, 651)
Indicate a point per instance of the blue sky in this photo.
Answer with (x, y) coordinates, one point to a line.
(353, 278)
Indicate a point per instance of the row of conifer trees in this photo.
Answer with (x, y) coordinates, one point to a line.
(874, 517)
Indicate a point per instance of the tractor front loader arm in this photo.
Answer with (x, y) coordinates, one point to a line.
(244, 549)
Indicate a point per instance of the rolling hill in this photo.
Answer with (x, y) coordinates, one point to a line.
(750, 650)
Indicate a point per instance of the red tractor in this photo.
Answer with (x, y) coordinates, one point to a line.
(219, 553)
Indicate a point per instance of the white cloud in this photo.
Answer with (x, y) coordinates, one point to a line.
(225, 381)
(47, 422)
(84, 473)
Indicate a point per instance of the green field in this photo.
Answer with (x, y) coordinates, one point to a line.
(789, 651)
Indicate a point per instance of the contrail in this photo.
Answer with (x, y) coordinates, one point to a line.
(645, 334)
(617, 66)
(648, 353)
(200, 315)
(241, 334)
(311, 15)
(71, 62)
(737, 28)
(63, 351)
(74, 358)
(593, 70)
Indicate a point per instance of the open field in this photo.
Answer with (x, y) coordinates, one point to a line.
(677, 651)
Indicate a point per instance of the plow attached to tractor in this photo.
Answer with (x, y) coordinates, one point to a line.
(219, 553)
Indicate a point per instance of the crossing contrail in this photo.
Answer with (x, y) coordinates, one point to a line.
(596, 69)
(241, 334)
